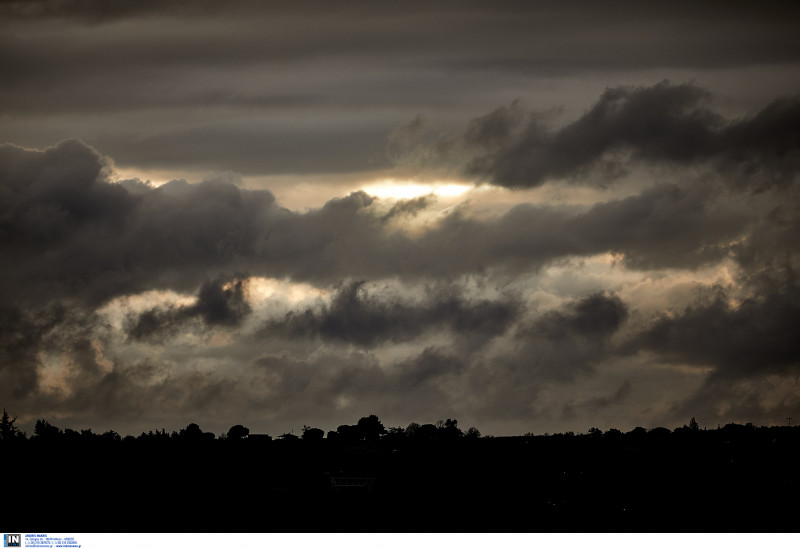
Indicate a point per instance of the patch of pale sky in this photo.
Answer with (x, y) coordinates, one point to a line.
(263, 291)
(52, 375)
(117, 310)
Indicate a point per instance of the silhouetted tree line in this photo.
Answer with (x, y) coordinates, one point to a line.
(368, 429)
(424, 477)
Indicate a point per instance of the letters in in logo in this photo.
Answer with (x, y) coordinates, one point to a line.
(12, 540)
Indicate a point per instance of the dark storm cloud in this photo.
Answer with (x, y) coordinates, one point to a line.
(593, 318)
(358, 317)
(416, 387)
(664, 124)
(571, 411)
(752, 339)
(768, 400)
(217, 306)
(27, 334)
(559, 347)
(131, 392)
(708, 175)
(432, 383)
(447, 381)
(90, 382)
(616, 398)
(410, 208)
(507, 34)
(50, 196)
(70, 234)
(72, 240)
(152, 82)
(256, 150)
(770, 256)
(566, 342)
(664, 226)
(20, 341)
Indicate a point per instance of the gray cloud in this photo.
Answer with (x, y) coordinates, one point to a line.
(571, 411)
(20, 341)
(337, 387)
(665, 226)
(153, 84)
(72, 234)
(448, 381)
(28, 334)
(542, 36)
(593, 318)
(751, 339)
(443, 381)
(616, 398)
(259, 149)
(661, 123)
(759, 400)
(671, 124)
(69, 233)
(216, 306)
(564, 343)
(715, 190)
(356, 316)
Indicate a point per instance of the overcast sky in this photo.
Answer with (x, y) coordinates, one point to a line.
(528, 216)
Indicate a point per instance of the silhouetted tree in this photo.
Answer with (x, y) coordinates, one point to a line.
(238, 432)
(193, 432)
(370, 428)
(348, 433)
(693, 425)
(45, 431)
(637, 434)
(8, 431)
(659, 433)
(449, 429)
(312, 433)
(157, 435)
(473, 432)
(111, 435)
(426, 432)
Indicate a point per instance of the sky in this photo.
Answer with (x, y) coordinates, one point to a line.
(531, 217)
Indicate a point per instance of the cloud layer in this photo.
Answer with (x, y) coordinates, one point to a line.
(660, 124)
(186, 236)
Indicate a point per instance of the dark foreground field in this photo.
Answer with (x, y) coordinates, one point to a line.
(738, 478)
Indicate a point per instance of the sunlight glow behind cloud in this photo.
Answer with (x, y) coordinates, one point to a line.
(397, 189)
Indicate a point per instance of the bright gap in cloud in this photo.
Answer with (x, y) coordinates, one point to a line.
(117, 310)
(400, 190)
(261, 289)
(155, 178)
